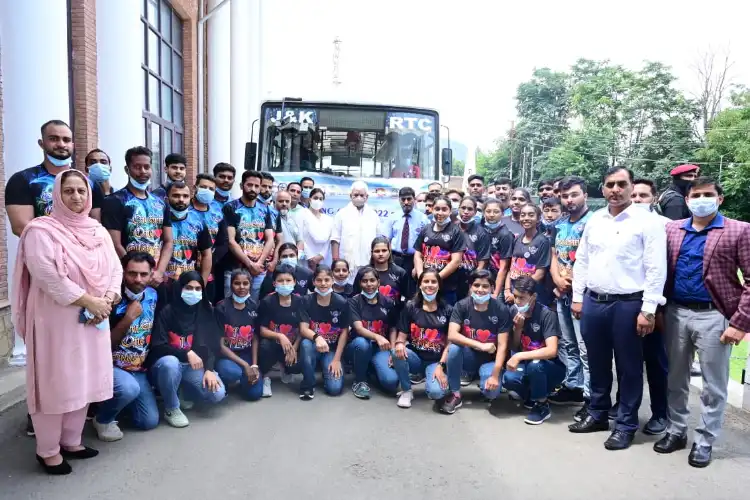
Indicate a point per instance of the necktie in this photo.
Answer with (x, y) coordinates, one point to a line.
(405, 235)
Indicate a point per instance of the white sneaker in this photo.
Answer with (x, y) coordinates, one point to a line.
(404, 399)
(176, 418)
(107, 432)
(287, 378)
(267, 387)
(17, 360)
(185, 404)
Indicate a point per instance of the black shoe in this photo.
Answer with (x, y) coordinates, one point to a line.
(612, 414)
(83, 454)
(61, 469)
(619, 440)
(587, 425)
(451, 404)
(306, 394)
(655, 426)
(566, 396)
(670, 443)
(582, 413)
(91, 412)
(29, 426)
(700, 456)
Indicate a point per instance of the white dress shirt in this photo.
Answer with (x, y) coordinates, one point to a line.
(623, 255)
(354, 229)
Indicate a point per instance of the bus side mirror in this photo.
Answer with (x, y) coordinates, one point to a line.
(251, 149)
(447, 161)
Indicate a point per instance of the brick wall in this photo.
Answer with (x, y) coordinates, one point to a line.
(6, 330)
(86, 133)
(187, 10)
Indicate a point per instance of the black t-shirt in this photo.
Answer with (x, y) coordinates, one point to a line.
(436, 248)
(538, 328)
(477, 250)
(427, 331)
(513, 226)
(501, 246)
(528, 257)
(239, 325)
(392, 283)
(328, 322)
(33, 186)
(303, 278)
(482, 326)
(282, 319)
(378, 318)
(161, 193)
(347, 292)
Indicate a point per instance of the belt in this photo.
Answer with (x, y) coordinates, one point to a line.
(613, 297)
(696, 306)
(401, 255)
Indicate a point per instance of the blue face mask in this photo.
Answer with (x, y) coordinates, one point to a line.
(306, 192)
(222, 193)
(141, 186)
(133, 296)
(429, 297)
(523, 309)
(492, 225)
(370, 296)
(179, 214)
(480, 299)
(58, 162)
(477, 218)
(284, 290)
(204, 195)
(240, 300)
(322, 293)
(264, 200)
(444, 223)
(292, 261)
(191, 297)
(703, 206)
(98, 172)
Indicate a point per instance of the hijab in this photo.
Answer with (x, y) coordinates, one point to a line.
(79, 241)
(185, 319)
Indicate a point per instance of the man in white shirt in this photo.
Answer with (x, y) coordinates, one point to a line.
(618, 282)
(354, 228)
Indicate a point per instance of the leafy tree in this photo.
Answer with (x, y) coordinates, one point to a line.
(458, 167)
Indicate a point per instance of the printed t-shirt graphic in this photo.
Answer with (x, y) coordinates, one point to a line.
(131, 353)
(33, 186)
(567, 239)
(378, 318)
(140, 221)
(538, 328)
(427, 331)
(501, 246)
(280, 319)
(183, 342)
(328, 322)
(528, 257)
(212, 218)
(250, 224)
(477, 248)
(436, 248)
(190, 237)
(482, 326)
(238, 324)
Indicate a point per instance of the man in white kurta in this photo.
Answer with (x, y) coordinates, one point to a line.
(354, 228)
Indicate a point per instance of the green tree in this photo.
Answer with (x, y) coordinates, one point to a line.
(458, 168)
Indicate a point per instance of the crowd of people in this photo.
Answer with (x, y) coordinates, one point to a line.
(182, 292)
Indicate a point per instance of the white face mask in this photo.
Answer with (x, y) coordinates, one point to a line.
(703, 206)
(316, 204)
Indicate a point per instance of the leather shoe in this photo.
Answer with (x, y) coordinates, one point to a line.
(700, 456)
(655, 426)
(670, 443)
(619, 440)
(587, 425)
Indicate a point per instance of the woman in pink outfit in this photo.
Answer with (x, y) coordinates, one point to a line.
(67, 277)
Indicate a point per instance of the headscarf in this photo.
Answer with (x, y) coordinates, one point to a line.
(185, 317)
(79, 241)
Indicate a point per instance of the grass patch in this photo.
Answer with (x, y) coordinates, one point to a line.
(738, 360)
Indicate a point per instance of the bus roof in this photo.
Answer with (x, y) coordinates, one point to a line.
(331, 103)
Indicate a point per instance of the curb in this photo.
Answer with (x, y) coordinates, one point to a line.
(12, 387)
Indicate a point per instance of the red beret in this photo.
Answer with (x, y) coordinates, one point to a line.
(683, 168)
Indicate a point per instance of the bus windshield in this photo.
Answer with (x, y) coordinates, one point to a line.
(349, 141)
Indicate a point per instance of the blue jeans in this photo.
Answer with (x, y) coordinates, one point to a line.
(231, 373)
(311, 358)
(415, 365)
(479, 363)
(535, 379)
(170, 375)
(257, 281)
(573, 349)
(386, 374)
(359, 352)
(132, 392)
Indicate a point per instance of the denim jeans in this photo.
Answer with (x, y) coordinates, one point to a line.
(231, 373)
(132, 393)
(534, 379)
(479, 363)
(311, 359)
(270, 353)
(170, 375)
(573, 349)
(257, 281)
(386, 374)
(415, 365)
(359, 352)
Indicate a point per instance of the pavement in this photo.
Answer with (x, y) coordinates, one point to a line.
(344, 448)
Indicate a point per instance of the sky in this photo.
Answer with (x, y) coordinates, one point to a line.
(466, 58)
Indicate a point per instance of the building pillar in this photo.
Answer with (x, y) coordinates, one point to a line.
(218, 89)
(83, 41)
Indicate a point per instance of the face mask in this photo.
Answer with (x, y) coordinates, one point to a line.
(284, 290)
(421, 206)
(682, 185)
(141, 186)
(480, 299)
(284, 211)
(491, 225)
(133, 296)
(429, 297)
(292, 261)
(546, 223)
(263, 199)
(455, 205)
(306, 192)
(204, 195)
(98, 172)
(341, 282)
(358, 202)
(58, 162)
(316, 204)
(703, 207)
(643, 206)
(322, 293)
(179, 214)
(240, 300)
(371, 295)
(223, 193)
(191, 297)
(523, 309)
(444, 223)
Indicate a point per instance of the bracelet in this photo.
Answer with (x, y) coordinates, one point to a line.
(315, 337)
(253, 366)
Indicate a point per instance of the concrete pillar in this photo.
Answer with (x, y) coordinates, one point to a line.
(218, 87)
(121, 81)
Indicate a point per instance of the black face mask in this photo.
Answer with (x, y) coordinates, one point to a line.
(682, 185)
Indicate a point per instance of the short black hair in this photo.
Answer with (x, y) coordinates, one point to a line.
(525, 192)
(306, 179)
(293, 183)
(480, 274)
(557, 179)
(475, 177)
(176, 185)
(503, 181)
(406, 191)
(552, 201)
(571, 181)
(206, 177)
(316, 191)
(544, 182)
(96, 150)
(457, 191)
(53, 122)
(284, 269)
(618, 168)
(224, 167)
(137, 151)
(525, 284)
(251, 173)
(647, 182)
(136, 256)
(431, 197)
(266, 176)
(173, 158)
(706, 181)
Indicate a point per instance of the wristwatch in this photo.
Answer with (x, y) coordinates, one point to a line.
(443, 366)
(315, 337)
(649, 316)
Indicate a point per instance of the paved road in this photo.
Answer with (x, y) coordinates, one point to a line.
(341, 448)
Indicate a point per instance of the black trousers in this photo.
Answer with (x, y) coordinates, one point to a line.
(406, 262)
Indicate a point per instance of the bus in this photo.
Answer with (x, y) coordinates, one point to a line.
(336, 144)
